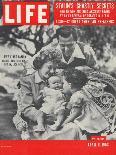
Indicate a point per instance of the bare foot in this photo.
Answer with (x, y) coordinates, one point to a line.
(25, 135)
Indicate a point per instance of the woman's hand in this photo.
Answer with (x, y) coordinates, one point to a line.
(40, 98)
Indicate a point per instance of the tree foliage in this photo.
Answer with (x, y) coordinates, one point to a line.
(27, 38)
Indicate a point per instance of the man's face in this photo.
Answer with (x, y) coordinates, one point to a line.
(67, 45)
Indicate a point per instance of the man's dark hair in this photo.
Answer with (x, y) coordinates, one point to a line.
(65, 32)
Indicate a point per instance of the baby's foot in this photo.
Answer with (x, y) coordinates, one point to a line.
(25, 135)
(54, 127)
(39, 128)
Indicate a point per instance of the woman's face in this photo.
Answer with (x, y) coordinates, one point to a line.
(47, 70)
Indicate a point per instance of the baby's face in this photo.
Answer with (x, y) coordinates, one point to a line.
(55, 83)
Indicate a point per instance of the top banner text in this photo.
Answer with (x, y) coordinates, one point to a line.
(65, 13)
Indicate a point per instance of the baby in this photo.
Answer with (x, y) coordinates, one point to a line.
(54, 103)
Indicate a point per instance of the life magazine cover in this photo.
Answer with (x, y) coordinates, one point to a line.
(57, 82)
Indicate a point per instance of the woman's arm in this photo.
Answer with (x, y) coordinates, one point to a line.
(28, 109)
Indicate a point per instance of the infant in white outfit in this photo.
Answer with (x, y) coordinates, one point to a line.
(54, 103)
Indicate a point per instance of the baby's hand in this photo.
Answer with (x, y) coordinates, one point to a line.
(41, 92)
(62, 90)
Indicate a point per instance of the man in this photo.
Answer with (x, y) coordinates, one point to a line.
(74, 53)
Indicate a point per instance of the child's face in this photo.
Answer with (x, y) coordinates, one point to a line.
(55, 82)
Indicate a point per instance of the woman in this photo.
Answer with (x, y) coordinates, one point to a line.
(30, 100)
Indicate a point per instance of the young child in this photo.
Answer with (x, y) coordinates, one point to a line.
(77, 80)
(54, 103)
(90, 105)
